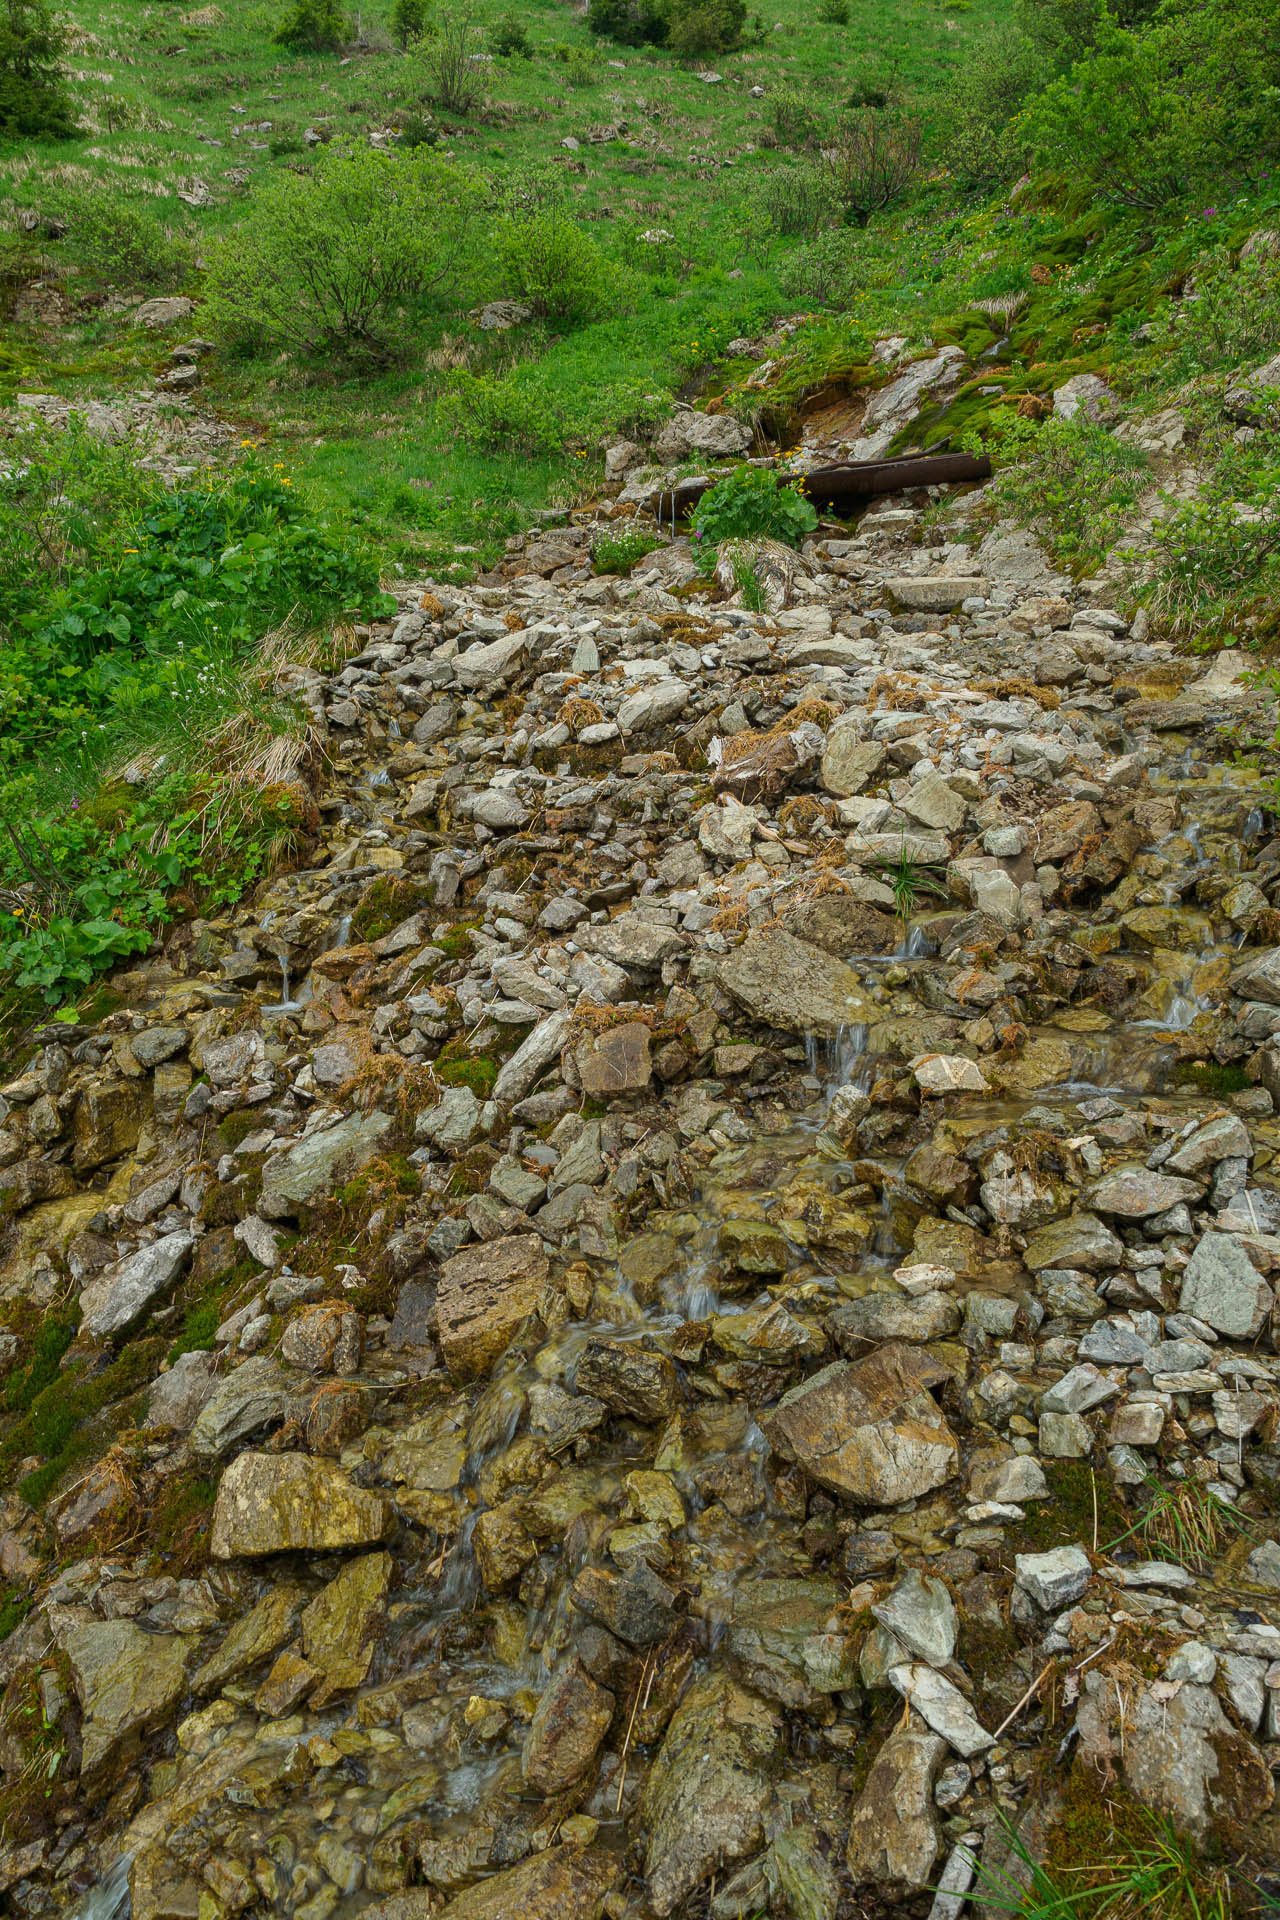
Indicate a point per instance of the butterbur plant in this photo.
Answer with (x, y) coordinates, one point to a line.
(751, 503)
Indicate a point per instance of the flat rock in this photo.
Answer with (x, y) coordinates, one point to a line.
(784, 982)
(319, 1162)
(868, 1429)
(1135, 1193)
(894, 1837)
(1055, 1579)
(256, 1635)
(704, 1800)
(289, 1502)
(564, 1883)
(936, 592)
(484, 1295)
(616, 1061)
(942, 1706)
(564, 1736)
(1080, 1241)
(1222, 1287)
(126, 1679)
(124, 1291)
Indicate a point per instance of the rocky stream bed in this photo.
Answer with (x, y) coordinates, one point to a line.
(680, 1318)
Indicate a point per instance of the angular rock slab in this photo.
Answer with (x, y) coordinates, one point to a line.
(706, 1793)
(564, 1735)
(869, 1429)
(565, 1883)
(1222, 1287)
(894, 1840)
(125, 1679)
(123, 1292)
(484, 1296)
(312, 1166)
(787, 983)
(289, 1502)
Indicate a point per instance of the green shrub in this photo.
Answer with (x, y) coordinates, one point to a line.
(752, 503)
(1214, 573)
(554, 265)
(796, 201)
(833, 13)
(632, 23)
(119, 236)
(509, 38)
(452, 76)
(493, 412)
(312, 26)
(345, 260)
(1188, 104)
(33, 96)
(828, 272)
(796, 119)
(620, 552)
(1232, 322)
(981, 142)
(873, 157)
(408, 21)
(705, 26)
(1072, 480)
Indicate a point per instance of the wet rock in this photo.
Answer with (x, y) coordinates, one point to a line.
(483, 1297)
(892, 1316)
(869, 1430)
(1222, 1287)
(894, 1837)
(785, 982)
(279, 1503)
(319, 1161)
(340, 1625)
(629, 1379)
(252, 1396)
(704, 1799)
(502, 1545)
(1080, 1241)
(108, 1122)
(636, 1606)
(260, 1632)
(790, 1637)
(564, 1883)
(564, 1735)
(120, 1295)
(126, 1679)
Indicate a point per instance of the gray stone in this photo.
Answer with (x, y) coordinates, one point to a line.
(521, 1073)
(319, 1162)
(1134, 1193)
(850, 763)
(941, 1706)
(1081, 1241)
(123, 1292)
(869, 1430)
(937, 592)
(787, 983)
(1263, 1566)
(894, 1839)
(1224, 1138)
(453, 1123)
(653, 706)
(919, 1613)
(631, 941)
(178, 1395)
(1222, 1287)
(484, 1295)
(126, 1679)
(1053, 1580)
(252, 1396)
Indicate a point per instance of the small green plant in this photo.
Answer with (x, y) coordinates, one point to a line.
(312, 26)
(33, 89)
(1184, 1522)
(1156, 1876)
(833, 13)
(744, 578)
(620, 552)
(408, 22)
(509, 38)
(910, 881)
(1070, 479)
(118, 236)
(752, 503)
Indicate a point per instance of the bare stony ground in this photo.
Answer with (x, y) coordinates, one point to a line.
(681, 1319)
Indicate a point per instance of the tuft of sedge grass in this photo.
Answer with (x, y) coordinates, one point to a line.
(1154, 1876)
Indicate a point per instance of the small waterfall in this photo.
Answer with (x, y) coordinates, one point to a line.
(839, 1061)
(914, 946)
(110, 1899)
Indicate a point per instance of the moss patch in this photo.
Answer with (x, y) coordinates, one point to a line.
(1066, 1518)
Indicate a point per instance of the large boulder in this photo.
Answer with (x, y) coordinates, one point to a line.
(894, 1839)
(317, 1163)
(288, 1502)
(1222, 1287)
(787, 983)
(869, 1430)
(126, 1679)
(705, 1797)
(484, 1295)
(122, 1292)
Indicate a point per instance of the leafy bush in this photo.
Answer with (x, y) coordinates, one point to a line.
(131, 609)
(408, 21)
(492, 413)
(344, 260)
(705, 26)
(1214, 574)
(312, 26)
(1187, 104)
(1230, 317)
(453, 79)
(752, 503)
(549, 261)
(829, 272)
(119, 237)
(796, 120)
(1070, 479)
(873, 159)
(509, 38)
(796, 200)
(33, 97)
(833, 13)
(632, 23)
(981, 142)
